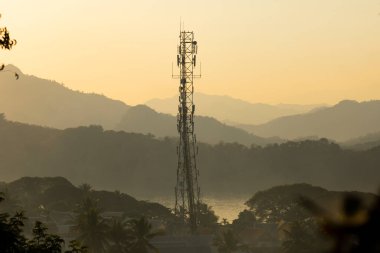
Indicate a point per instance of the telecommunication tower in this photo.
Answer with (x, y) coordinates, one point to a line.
(187, 190)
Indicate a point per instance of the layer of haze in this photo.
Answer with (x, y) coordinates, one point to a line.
(271, 51)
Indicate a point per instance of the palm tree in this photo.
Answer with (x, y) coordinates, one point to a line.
(91, 227)
(86, 189)
(227, 242)
(141, 234)
(119, 237)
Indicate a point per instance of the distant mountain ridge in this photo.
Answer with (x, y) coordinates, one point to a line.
(38, 101)
(142, 119)
(363, 142)
(341, 122)
(231, 110)
(42, 102)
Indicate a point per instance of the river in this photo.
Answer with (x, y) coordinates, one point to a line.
(228, 208)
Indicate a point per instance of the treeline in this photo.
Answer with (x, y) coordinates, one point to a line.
(51, 215)
(93, 233)
(143, 165)
(30, 194)
(305, 218)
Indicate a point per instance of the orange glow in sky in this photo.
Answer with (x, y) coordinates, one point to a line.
(271, 51)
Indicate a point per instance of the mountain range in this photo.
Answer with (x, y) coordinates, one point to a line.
(142, 119)
(341, 122)
(47, 103)
(231, 110)
(364, 142)
(43, 102)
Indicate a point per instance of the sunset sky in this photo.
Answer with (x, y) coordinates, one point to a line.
(270, 51)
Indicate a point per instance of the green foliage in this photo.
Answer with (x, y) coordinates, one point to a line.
(282, 203)
(5, 41)
(228, 242)
(91, 228)
(140, 231)
(303, 237)
(14, 241)
(207, 217)
(246, 219)
(119, 237)
(76, 247)
(89, 153)
(42, 242)
(85, 188)
(58, 194)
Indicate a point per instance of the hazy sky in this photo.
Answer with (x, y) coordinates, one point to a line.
(272, 51)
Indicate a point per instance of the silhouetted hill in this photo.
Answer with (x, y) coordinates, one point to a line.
(344, 121)
(145, 166)
(43, 102)
(58, 194)
(142, 119)
(323, 197)
(364, 142)
(231, 110)
(281, 204)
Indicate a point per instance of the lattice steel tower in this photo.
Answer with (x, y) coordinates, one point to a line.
(187, 190)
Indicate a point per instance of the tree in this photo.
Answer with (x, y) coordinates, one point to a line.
(12, 239)
(303, 237)
(42, 242)
(91, 227)
(5, 41)
(85, 188)
(207, 217)
(119, 237)
(283, 203)
(246, 219)
(76, 247)
(227, 242)
(140, 231)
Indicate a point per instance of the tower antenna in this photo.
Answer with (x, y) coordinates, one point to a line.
(187, 191)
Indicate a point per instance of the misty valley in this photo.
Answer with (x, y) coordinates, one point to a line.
(123, 159)
(273, 146)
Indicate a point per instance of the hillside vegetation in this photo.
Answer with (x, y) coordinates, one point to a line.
(58, 194)
(145, 166)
